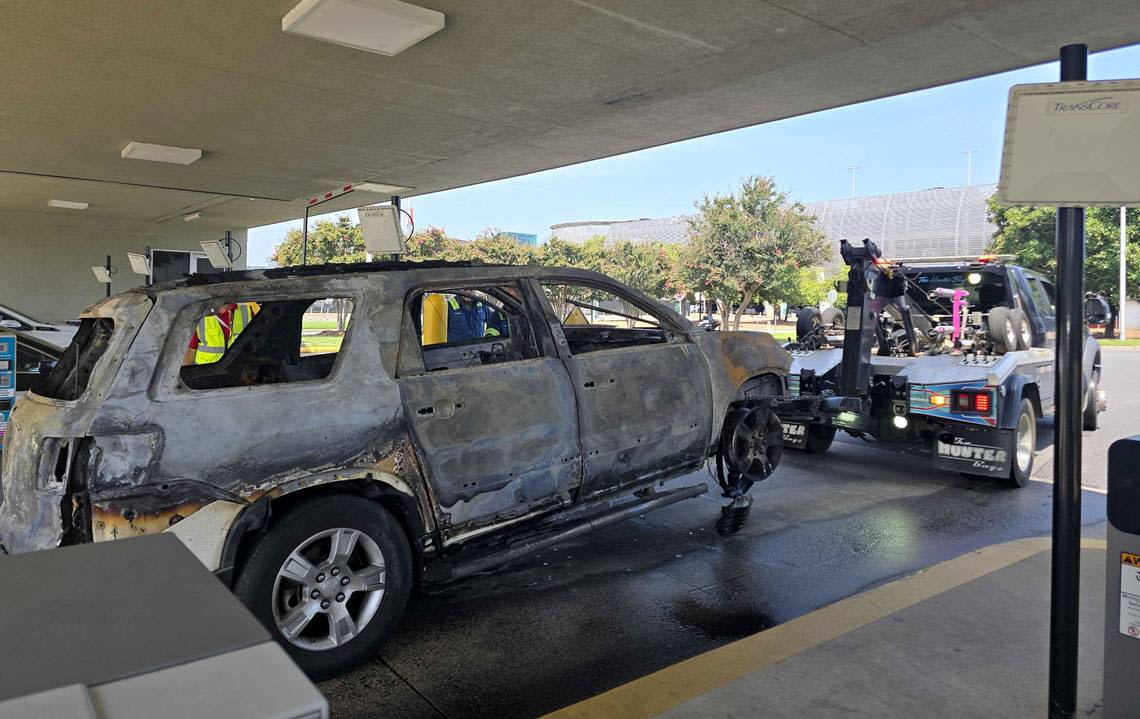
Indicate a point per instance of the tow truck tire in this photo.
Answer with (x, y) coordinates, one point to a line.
(807, 319)
(1021, 329)
(833, 318)
(294, 580)
(1021, 465)
(819, 438)
(1001, 330)
(1089, 421)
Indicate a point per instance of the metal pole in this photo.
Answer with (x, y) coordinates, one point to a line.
(1122, 331)
(853, 169)
(395, 257)
(108, 268)
(969, 167)
(305, 238)
(1067, 439)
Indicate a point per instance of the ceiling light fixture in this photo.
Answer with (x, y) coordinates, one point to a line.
(380, 187)
(192, 216)
(68, 204)
(387, 27)
(160, 153)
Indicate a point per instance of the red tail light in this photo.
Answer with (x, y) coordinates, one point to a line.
(982, 402)
(972, 401)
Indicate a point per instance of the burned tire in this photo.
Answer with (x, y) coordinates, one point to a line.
(1001, 330)
(1021, 328)
(329, 580)
(807, 319)
(1024, 445)
(819, 438)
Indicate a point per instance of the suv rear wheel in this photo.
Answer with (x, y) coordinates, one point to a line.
(329, 580)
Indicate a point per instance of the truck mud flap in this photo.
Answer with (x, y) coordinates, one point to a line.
(974, 450)
(795, 435)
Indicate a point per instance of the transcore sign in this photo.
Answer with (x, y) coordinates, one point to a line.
(1072, 144)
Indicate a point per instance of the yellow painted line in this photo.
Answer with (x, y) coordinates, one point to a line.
(658, 692)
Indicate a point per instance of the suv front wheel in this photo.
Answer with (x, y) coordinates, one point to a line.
(329, 580)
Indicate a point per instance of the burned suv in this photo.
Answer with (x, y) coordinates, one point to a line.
(322, 437)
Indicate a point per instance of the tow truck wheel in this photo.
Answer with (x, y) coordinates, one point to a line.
(807, 319)
(1002, 332)
(329, 580)
(819, 438)
(1089, 421)
(1024, 445)
(1021, 329)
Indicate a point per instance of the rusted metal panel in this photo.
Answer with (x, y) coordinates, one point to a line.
(733, 359)
(498, 440)
(643, 410)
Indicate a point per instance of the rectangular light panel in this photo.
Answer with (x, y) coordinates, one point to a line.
(68, 204)
(160, 153)
(387, 27)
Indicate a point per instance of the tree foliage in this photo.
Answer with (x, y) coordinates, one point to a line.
(329, 241)
(1030, 233)
(751, 245)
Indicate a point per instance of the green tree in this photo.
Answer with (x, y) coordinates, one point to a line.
(751, 245)
(329, 241)
(1030, 233)
(433, 243)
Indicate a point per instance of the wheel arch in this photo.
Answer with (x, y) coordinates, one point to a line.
(258, 517)
(1019, 388)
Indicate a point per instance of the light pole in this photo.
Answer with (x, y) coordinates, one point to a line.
(969, 166)
(1123, 332)
(853, 169)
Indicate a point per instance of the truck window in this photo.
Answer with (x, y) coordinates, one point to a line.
(595, 319)
(986, 289)
(1042, 297)
(460, 327)
(246, 343)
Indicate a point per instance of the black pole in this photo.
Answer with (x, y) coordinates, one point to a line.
(1067, 439)
(395, 256)
(107, 266)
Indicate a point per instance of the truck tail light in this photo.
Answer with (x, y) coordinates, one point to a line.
(972, 401)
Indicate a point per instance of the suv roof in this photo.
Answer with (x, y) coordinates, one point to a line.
(335, 268)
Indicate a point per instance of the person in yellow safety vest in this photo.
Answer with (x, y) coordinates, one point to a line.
(465, 318)
(217, 331)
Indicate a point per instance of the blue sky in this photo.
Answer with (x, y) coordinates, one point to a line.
(907, 142)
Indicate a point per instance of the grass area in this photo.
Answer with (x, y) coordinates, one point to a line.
(1120, 343)
(315, 324)
(313, 345)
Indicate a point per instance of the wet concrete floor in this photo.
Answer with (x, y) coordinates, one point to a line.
(591, 614)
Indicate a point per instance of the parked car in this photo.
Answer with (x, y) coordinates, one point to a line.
(58, 335)
(321, 476)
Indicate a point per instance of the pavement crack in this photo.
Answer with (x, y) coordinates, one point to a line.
(411, 686)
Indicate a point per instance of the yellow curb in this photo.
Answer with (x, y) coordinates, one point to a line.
(656, 693)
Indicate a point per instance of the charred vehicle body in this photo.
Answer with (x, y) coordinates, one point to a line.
(321, 476)
(956, 354)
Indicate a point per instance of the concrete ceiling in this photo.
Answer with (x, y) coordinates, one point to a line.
(508, 87)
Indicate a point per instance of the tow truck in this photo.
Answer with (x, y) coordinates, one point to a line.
(955, 355)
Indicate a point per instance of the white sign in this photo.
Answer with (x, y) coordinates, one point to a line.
(1130, 595)
(380, 225)
(1072, 144)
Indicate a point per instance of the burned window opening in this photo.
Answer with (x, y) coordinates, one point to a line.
(472, 326)
(249, 343)
(68, 379)
(595, 319)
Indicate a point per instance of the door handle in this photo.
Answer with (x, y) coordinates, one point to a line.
(443, 409)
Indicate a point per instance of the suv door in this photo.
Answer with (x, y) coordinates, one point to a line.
(644, 401)
(493, 415)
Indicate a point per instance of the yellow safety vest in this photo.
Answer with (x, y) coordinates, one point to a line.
(212, 341)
